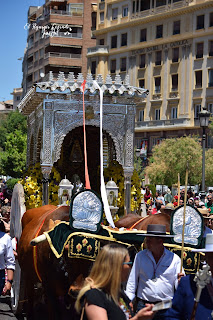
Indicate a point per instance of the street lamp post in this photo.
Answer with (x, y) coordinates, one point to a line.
(204, 122)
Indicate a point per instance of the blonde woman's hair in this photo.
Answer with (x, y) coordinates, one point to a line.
(105, 273)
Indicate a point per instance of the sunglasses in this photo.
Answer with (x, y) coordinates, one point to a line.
(128, 263)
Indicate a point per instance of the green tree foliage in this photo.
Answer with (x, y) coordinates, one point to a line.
(171, 157)
(13, 144)
(209, 168)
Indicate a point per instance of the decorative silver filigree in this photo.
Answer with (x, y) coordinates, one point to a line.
(193, 225)
(202, 278)
(86, 211)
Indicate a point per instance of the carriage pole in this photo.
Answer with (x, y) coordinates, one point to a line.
(178, 189)
(184, 216)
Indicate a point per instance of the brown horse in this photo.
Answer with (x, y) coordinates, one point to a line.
(135, 221)
(39, 264)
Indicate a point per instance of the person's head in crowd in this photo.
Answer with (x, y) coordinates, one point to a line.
(191, 201)
(182, 194)
(110, 269)
(181, 202)
(196, 203)
(158, 205)
(149, 210)
(5, 212)
(147, 190)
(209, 199)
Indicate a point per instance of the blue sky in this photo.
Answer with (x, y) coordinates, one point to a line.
(13, 36)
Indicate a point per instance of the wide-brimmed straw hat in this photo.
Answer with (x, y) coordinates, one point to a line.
(157, 230)
(169, 206)
(204, 211)
(208, 245)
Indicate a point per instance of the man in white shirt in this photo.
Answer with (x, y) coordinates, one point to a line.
(155, 272)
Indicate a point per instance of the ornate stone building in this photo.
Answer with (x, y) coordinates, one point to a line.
(165, 46)
(55, 126)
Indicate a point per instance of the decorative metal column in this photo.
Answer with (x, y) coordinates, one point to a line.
(128, 171)
(46, 170)
(204, 122)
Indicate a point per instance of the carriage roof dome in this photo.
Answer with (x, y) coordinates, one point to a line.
(64, 182)
(111, 184)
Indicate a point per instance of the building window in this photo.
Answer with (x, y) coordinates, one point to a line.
(210, 84)
(175, 54)
(158, 55)
(76, 9)
(141, 83)
(141, 115)
(159, 31)
(36, 56)
(101, 17)
(210, 108)
(36, 74)
(200, 22)
(113, 66)
(41, 52)
(211, 48)
(211, 19)
(123, 64)
(124, 39)
(142, 61)
(145, 5)
(174, 82)
(157, 114)
(143, 35)
(125, 11)
(198, 79)
(93, 67)
(30, 42)
(101, 42)
(176, 27)
(114, 42)
(160, 3)
(174, 113)
(115, 14)
(17, 98)
(197, 111)
(157, 84)
(199, 50)
(156, 141)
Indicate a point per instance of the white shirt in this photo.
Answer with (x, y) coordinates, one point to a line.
(153, 282)
(7, 259)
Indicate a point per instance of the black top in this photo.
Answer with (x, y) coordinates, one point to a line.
(103, 300)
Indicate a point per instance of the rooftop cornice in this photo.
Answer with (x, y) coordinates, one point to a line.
(73, 84)
(155, 17)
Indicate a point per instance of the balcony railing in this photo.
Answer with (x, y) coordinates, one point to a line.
(69, 35)
(98, 49)
(160, 9)
(163, 123)
(62, 55)
(76, 13)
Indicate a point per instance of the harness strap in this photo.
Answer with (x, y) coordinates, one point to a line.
(35, 247)
(136, 223)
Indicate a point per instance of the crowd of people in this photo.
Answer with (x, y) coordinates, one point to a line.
(158, 202)
(7, 258)
(113, 290)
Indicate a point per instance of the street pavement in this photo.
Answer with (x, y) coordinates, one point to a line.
(5, 310)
